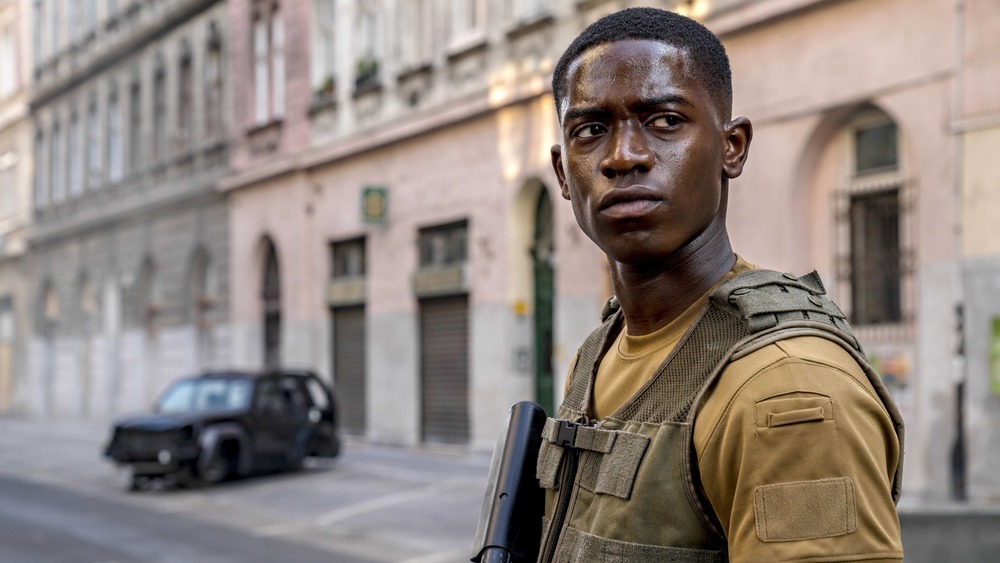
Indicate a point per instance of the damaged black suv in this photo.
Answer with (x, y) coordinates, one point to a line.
(221, 425)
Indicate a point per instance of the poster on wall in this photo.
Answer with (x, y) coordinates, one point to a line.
(995, 357)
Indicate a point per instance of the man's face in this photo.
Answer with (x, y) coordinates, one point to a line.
(644, 150)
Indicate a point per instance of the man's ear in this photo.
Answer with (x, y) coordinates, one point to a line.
(557, 167)
(739, 133)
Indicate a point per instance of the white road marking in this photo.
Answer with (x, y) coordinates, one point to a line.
(443, 557)
(372, 505)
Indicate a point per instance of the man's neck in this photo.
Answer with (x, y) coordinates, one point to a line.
(651, 296)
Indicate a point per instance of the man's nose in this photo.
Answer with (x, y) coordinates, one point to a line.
(628, 151)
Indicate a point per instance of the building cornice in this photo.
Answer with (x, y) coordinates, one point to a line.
(144, 34)
(367, 140)
(12, 111)
(752, 14)
(40, 233)
(762, 118)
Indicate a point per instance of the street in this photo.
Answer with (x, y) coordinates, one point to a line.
(60, 501)
(39, 524)
(373, 504)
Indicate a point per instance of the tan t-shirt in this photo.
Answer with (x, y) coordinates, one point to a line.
(795, 450)
(632, 360)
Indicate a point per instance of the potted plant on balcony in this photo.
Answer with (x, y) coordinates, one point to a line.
(366, 73)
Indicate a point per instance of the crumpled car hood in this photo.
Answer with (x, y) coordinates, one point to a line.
(159, 422)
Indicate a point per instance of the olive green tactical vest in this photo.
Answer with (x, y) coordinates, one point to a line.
(626, 488)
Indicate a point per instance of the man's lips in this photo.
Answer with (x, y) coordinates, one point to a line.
(630, 201)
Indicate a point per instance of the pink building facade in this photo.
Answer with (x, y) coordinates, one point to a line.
(398, 227)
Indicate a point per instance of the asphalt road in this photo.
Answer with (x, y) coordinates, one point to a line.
(41, 524)
(373, 503)
(59, 501)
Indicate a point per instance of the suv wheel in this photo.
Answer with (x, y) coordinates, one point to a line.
(217, 468)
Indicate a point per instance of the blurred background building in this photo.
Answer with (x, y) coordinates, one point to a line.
(364, 187)
(129, 241)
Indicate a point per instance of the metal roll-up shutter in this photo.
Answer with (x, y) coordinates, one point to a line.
(444, 369)
(349, 367)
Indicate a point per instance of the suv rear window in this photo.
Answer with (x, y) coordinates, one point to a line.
(317, 393)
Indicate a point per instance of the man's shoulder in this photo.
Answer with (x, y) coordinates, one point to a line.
(796, 364)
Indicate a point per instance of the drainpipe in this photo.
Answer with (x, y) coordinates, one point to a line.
(958, 450)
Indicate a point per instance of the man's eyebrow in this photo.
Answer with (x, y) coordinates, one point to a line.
(589, 112)
(583, 112)
(667, 100)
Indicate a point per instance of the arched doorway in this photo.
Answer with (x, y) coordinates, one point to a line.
(6, 351)
(542, 249)
(149, 313)
(48, 319)
(271, 300)
(86, 324)
(202, 292)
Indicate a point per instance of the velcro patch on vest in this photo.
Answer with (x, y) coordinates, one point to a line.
(805, 510)
(614, 472)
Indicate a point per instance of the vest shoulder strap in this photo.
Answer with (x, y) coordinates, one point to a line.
(587, 360)
(745, 311)
(766, 300)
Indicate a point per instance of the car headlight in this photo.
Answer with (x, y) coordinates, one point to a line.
(164, 457)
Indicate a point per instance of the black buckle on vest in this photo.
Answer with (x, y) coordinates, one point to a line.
(567, 433)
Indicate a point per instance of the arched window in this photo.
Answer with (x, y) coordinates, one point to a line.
(58, 165)
(185, 100)
(542, 250)
(368, 48)
(87, 313)
(202, 292)
(213, 83)
(94, 163)
(135, 126)
(271, 298)
(75, 160)
(150, 305)
(468, 20)
(159, 111)
(41, 186)
(875, 256)
(324, 59)
(116, 146)
(269, 62)
(48, 310)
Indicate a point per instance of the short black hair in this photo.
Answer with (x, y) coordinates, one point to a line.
(704, 48)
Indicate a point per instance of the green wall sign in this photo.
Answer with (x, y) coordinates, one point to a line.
(374, 205)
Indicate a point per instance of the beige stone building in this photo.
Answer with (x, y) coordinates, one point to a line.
(128, 247)
(15, 198)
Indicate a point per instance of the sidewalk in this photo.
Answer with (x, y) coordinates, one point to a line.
(382, 503)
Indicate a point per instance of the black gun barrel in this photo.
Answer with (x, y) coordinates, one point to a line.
(510, 525)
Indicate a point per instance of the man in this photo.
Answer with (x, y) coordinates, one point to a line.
(721, 412)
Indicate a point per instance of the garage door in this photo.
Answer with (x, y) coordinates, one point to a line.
(349, 367)
(444, 369)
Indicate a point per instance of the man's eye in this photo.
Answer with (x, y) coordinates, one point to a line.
(665, 121)
(589, 130)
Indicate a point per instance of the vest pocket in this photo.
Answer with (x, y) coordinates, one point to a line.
(576, 546)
